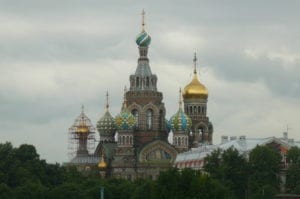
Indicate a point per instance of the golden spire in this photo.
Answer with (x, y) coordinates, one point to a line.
(107, 104)
(82, 108)
(195, 89)
(143, 20)
(180, 98)
(125, 100)
(195, 63)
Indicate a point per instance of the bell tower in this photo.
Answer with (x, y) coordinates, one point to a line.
(143, 99)
(195, 96)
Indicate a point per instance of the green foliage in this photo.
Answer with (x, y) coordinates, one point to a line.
(293, 172)
(264, 166)
(227, 176)
(230, 168)
(293, 155)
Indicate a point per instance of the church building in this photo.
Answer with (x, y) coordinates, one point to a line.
(134, 144)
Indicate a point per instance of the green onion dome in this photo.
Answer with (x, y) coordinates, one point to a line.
(180, 122)
(106, 124)
(125, 120)
(143, 39)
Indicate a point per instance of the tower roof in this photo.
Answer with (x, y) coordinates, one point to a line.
(143, 39)
(82, 124)
(106, 124)
(180, 121)
(125, 120)
(195, 89)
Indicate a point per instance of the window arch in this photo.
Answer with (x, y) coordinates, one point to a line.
(149, 119)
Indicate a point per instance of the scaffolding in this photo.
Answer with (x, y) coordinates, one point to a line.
(81, 137)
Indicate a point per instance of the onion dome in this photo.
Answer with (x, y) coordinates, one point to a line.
(143, 39)
(106, 124)
(195, 89)
(82, 124)
(125, 120)
(102, 164)
(180, 121)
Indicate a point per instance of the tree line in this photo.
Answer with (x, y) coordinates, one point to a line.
(226, 175)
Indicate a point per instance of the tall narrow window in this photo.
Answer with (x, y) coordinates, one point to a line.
(161, 120)
(135, 113)
(149, 115)
(137, 82)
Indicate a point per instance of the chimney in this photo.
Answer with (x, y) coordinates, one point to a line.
(242, 140)
(285, 136)
(224, 139)
(232, 138)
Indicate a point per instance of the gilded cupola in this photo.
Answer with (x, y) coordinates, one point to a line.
(195, 89)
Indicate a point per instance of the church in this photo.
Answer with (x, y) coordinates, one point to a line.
(134, 144)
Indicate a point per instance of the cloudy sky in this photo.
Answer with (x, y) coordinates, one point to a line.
(56, 55)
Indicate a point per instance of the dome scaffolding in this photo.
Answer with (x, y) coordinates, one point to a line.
(81, 137)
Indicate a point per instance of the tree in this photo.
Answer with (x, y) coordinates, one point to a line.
(293, 155)
(264, 167)
(293, 171)
(229, 168)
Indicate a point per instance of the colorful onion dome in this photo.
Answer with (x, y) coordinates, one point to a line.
(125, 120)
(143, 39)
(106, 124)
(195, 89)
(180, 121)
(82, 124)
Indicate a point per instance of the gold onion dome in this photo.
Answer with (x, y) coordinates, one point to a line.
(195, 89)
(102, 164)
(82, 124)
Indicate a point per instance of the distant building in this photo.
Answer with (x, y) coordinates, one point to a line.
(195, 157)
(134, 143)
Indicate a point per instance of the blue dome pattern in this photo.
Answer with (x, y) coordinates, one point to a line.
(106, 124)
(180, 122)
(143, 39)
(125, 120)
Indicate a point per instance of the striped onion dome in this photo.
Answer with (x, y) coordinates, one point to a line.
(143, 39)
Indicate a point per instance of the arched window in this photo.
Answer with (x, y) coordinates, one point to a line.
(131, 141)
(161, 119)
(135, 113)
(203, 109)
(191, 110)
(199, 109)
(149, 115)
(137, 82)
(147, 82)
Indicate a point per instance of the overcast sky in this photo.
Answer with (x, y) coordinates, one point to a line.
(56, 55)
